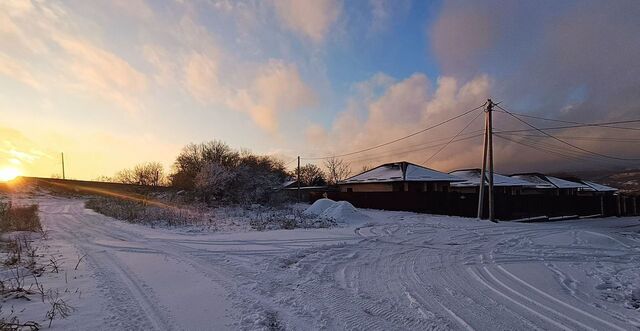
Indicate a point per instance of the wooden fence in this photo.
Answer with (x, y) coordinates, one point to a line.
(506, 206)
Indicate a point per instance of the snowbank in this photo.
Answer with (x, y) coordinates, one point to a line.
(341, 211)
(318, 207)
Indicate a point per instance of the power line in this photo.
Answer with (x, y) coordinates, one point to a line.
(603, 125)
(450, 141)
(411, 150)
(398, 139)
(549, 150)
(612, 139)
(576, 126)
(555, 149)
(565, 142)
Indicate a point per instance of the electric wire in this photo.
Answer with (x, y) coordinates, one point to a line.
(398, 139)
(565, 142)
(610, 139)
(547, 150)
(603, 125)
(450, 141)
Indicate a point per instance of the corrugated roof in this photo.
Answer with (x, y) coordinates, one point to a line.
(565, 184)
(599, 187)
(538, 182)
(401, 171)
(472, 177)
(549, 182)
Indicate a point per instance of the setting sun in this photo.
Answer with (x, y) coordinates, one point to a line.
(7, 174)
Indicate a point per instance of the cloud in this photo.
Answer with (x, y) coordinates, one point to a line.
(103, 73)
(201, 78)
(276, 88)
(571, 60)
(17, 71)
(46, 33)
(402, 107)
(310, 19)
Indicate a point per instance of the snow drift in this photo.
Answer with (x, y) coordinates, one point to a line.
(341, 211)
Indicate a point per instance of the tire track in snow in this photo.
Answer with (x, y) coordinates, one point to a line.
(532, 311)
(546, 295)
(535, 302)
(127, 286)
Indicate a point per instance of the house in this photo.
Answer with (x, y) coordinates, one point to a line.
(501, 183)
(598, 188)
(399, 177)
(544, 184)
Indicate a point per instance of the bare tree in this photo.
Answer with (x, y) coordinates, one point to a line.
(365, 168)
(311, 175)
(151, 173)
(337, 170)
(194, 157)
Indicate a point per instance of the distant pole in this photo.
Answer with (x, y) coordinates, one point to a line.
(490, 138)
(484, 169)
(299, 194)
(63, 174)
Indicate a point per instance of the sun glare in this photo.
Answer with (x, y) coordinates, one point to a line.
(7, 174)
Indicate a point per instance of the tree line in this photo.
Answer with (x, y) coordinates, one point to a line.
(215, 171)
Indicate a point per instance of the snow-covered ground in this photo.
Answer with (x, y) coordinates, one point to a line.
(388, 271)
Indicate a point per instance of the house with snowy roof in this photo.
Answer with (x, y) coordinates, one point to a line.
(399, 177)
(501, 183)
(544, 184)
(599, 188)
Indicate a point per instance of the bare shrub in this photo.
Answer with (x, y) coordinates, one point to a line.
(19, 218)
(59, 308)
(143, 212)
(286, 219)
(150, 174)
(13, 323)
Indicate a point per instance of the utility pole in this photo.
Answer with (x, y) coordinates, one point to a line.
(483, 173)
(490, 136)
(299, 194)
(487, 152)
(63, 175)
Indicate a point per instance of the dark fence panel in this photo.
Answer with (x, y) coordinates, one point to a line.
(459, 204)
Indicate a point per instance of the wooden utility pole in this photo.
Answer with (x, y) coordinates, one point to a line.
(487, 153)
(483, 173)
(299, 194)
(63, 174)
(490, 135)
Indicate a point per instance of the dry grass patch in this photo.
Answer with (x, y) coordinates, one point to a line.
(19, 218)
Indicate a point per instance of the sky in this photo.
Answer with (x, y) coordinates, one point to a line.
(116, 83)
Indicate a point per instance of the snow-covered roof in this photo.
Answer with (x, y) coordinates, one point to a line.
(599, 187)
(537, 181)
(401, 171)
(288, 183)
(563, 183)
(472, 177)
(549, 182)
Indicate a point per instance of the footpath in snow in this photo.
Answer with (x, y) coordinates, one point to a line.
(376, 271)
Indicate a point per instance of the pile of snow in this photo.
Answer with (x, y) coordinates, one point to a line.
(341, 211)
(318, 207)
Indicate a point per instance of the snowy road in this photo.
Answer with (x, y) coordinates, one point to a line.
(400, 271)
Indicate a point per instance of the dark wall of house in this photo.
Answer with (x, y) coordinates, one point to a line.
(506, 206)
